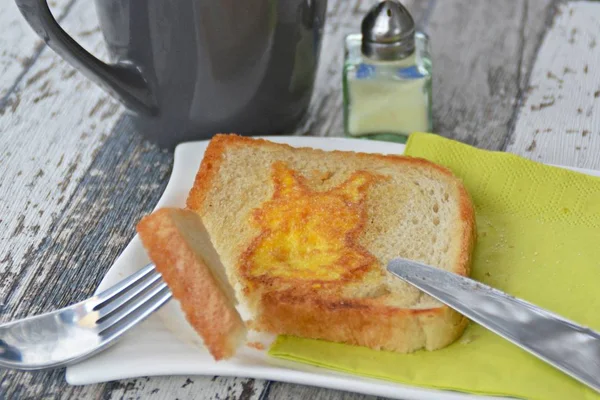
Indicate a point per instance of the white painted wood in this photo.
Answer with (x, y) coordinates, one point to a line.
(559, 121)
(190, 388)
(48, 137)
(55, 122)
(19, 45)
(287, 391)
(480, 52)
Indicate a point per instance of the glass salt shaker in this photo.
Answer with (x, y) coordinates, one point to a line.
(387, 76)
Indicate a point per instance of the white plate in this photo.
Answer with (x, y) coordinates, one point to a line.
(164, 343)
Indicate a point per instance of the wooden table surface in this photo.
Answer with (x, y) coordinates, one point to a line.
(517, 75)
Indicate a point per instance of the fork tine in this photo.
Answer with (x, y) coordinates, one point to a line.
(138, 302)
(117, 289)
(129, 292)
(75, 333)
(135, 316)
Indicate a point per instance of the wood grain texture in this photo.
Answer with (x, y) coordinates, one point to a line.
(19, 46)
(559, 122)
(286, 391)
(49, 137)
(82, 243)
(124, 182)
(482, 52)
(192, 388)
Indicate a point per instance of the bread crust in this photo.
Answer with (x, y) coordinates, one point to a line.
(209, 167)
(377, 326)
(207, 308)
(365, 322)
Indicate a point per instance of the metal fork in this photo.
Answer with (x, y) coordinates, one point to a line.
(71, 334)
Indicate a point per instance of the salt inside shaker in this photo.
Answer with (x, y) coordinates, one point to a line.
(387, 76)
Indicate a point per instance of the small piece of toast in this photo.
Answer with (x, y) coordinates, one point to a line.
(178, 244)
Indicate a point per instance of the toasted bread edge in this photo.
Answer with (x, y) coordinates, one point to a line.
(402, 330)
(207, 308)
(376, 326)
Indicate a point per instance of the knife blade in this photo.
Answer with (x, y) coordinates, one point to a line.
(572, 348)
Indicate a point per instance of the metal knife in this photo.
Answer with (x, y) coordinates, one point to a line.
(572, 348)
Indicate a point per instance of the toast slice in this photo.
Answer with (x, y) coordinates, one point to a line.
(305, 236)
(180, 247)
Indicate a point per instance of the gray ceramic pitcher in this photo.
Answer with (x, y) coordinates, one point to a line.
(188, 69)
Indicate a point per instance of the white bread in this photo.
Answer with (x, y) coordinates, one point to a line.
(382, 207)
(180, 247)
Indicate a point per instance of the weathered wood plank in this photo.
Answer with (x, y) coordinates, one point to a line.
(83, 241)
(19, 46)
(287, 391)
(481, 53)
(125, 180)
(559, 122)
(49, 135)
(192, 388)
(51, 127)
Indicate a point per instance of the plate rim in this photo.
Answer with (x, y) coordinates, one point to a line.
(324, 378)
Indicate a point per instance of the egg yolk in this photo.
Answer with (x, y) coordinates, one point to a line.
(310, 235)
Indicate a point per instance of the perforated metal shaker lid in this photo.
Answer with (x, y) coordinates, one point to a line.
(388, 32)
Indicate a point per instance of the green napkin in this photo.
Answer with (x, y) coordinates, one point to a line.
(538, 239)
